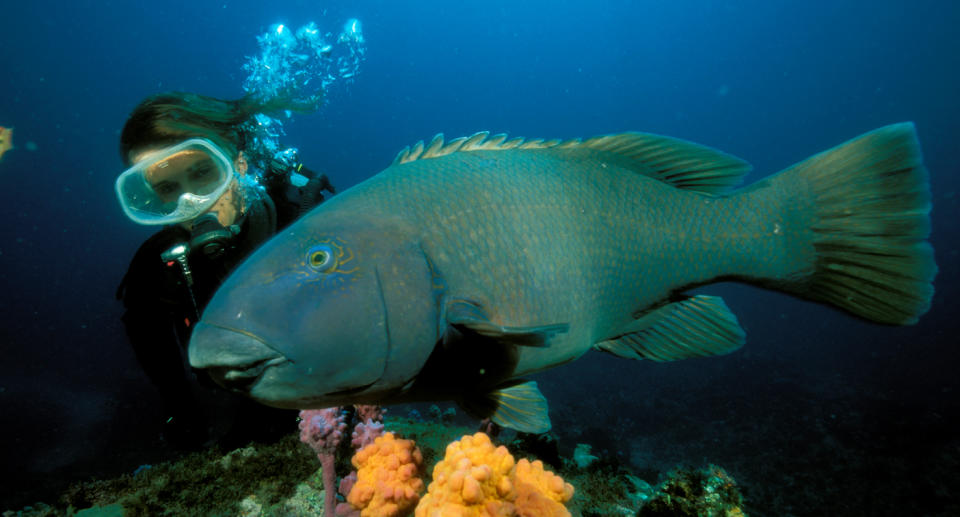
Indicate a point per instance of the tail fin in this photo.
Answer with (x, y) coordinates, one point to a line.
(870, 222)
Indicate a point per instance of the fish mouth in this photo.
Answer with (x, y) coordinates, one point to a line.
(243, 379)
(235, 359)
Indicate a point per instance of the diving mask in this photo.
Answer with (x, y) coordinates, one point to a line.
(175, 184)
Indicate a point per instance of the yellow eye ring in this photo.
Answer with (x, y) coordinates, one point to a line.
(320, 257)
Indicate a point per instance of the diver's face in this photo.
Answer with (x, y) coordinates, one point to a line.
(189, 170)
(228, 208)
(194, 171)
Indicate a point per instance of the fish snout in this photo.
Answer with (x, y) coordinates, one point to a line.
(234, 359)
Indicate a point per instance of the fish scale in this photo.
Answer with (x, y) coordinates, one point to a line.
(468, 264)
(543, 239)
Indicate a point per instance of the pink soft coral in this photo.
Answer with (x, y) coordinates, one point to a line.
(322, 430)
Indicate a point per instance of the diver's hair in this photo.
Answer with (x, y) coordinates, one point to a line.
(169, 118)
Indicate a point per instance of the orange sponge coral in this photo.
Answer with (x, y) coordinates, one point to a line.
(476, 479)
(388, 482)
(473, 480)
(540, 493)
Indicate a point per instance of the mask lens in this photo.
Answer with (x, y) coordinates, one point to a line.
(192, 171)
(175, 184)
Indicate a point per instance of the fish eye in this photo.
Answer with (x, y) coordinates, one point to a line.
(320, 257)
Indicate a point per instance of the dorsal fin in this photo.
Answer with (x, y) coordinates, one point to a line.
(680, 163)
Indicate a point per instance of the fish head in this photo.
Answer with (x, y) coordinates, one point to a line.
(337, 309)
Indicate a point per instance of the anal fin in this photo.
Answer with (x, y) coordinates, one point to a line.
(700, 326)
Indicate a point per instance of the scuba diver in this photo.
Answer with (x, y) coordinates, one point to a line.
(193, 170)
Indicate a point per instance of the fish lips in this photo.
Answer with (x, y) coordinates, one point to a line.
(235, 359)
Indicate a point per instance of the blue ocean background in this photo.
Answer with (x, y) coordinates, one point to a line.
(819, 414)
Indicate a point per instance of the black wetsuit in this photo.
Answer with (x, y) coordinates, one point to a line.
(161, 310)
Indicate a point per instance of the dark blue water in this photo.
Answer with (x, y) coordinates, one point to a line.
(819, 413)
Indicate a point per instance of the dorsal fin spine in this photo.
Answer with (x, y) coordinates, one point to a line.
(677, 162)
(435, 145)
(473, 141)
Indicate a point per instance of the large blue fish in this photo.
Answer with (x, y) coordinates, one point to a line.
(467, 265)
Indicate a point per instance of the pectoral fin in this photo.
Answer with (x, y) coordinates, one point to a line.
(469, 318)
(700, 326)
(518, 406)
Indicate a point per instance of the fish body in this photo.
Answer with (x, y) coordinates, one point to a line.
(469, 264)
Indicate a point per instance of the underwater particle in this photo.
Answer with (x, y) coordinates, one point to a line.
(31, 146)
(6, 140)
